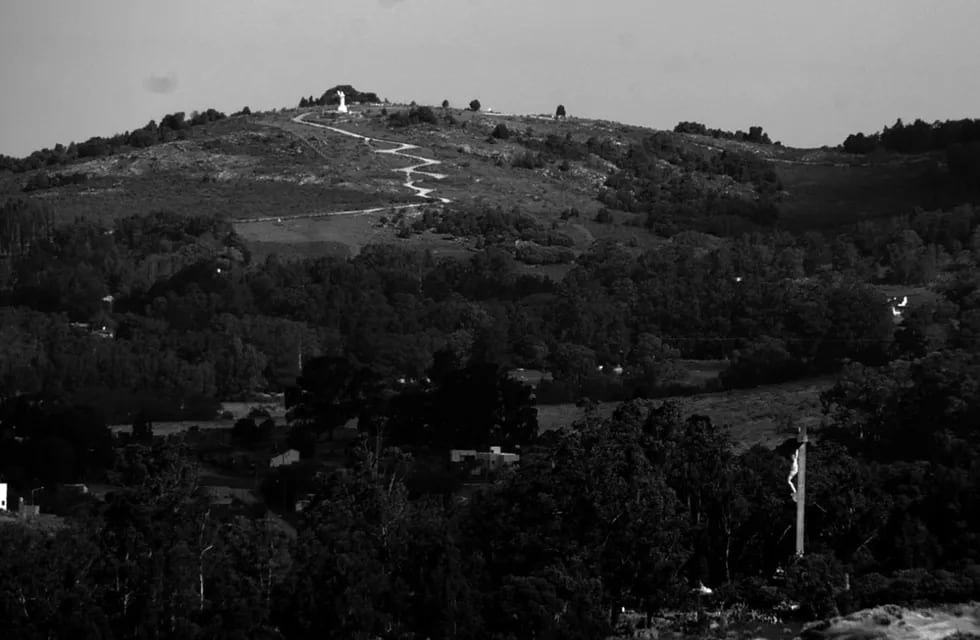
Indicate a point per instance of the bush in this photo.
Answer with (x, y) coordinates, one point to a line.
(813, 582)
(763, 361)
(415, 115)
(501, 132)
(536, 254)
(474, 105)
(527, 160)
(604, 216)
(42, 180)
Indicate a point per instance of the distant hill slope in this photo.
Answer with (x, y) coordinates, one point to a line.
(582, 179)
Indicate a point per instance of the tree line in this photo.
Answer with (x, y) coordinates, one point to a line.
(331, 97)
(174, 305)
(625, 512)
(172, 126)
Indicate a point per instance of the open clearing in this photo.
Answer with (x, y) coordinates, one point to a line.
(764, 415)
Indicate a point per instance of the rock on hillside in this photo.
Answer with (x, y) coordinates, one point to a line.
(897, 623)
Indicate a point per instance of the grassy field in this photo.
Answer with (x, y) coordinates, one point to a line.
(340, 236)
(755, 416)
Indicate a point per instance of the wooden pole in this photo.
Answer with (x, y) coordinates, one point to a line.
(801, 492)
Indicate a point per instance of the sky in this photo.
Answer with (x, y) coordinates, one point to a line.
(808, 72)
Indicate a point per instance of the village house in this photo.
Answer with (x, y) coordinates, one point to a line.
(288, 457)
(485, 461)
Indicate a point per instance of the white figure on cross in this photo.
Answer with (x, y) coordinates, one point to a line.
(343, 105)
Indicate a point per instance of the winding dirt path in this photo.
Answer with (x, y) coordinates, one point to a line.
(399, 150)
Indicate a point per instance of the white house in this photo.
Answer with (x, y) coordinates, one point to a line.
(488, 460)
(287, 457)
(459, 455)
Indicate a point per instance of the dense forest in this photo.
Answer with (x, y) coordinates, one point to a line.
(160, 317)
(957, 140)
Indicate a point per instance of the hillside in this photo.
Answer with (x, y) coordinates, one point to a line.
(331, 321)
(563, 174)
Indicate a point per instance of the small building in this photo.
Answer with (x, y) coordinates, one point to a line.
(490, 460)
(288, 457)
(76, 489)
(3, 497)
(461, 455)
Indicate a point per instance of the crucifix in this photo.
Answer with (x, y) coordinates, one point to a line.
(798, 470)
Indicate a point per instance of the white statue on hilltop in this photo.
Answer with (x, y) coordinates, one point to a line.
(343, 105)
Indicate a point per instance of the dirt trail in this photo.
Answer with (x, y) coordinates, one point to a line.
(399, 150)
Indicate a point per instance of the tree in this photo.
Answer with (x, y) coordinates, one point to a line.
(473, 407)
(763, 361)
(591, 506)
(445, 104)
(329, 392)
(369, 562)
(560, 112)
(474, 105)
(142, 428)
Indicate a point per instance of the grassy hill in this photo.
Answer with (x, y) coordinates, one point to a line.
(268, 166)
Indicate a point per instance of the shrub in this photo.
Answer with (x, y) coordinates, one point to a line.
(527, 160)
(415, 115)
(474, 105)
(42, 180)
(501, 132)
(763, 361)
(536, 254)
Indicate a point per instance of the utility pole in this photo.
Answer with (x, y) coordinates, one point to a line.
(801, 491)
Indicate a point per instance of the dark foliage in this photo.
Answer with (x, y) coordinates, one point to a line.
(415, 115)
(959, 140)
(755, 134)
(160, 316)
(680, 187)
(332, 97)
(172, 126)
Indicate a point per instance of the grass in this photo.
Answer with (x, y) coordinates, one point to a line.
(755, 416)
(267, 165)
(341, 236)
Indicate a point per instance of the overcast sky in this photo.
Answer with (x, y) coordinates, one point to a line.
(810, 72)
